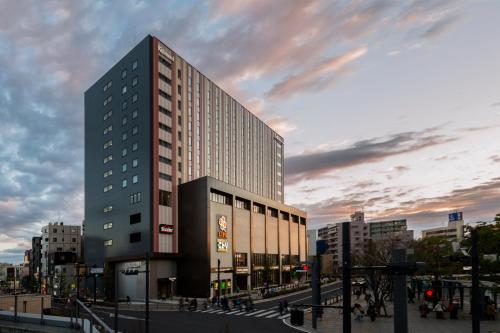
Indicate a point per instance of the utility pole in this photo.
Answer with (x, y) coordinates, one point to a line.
(400, 296)
(77, 286)
(476, 303)
(346, 277)
(218, 281)
(316, 290)
(147, 293)
(95, 286)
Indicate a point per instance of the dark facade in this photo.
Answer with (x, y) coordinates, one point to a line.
(36, 257)
(260, 243)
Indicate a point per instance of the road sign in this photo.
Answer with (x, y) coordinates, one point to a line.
(455, 216)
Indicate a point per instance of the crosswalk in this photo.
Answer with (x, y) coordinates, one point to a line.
(263, 313)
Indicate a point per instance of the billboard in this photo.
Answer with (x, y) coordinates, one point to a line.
(166, 229)
(455, 216)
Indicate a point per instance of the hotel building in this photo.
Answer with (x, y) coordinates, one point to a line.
(153, 122)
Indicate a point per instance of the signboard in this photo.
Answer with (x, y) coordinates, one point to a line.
(165, 52)
(166, 229)
(455, 216)
(222, 228)
(321, 246)
(97, 270)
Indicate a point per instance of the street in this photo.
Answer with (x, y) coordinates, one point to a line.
(264, 318)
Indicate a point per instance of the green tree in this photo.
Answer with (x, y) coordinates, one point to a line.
(488, 244)
(434, 252)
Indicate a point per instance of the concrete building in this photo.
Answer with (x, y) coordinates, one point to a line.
(35, 260)
(152, 123)
(454, 231)
(60, 249)
(361, 234)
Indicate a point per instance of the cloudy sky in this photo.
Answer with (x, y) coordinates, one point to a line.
(388, 106)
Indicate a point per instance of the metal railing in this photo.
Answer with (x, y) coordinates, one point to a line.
(95, 322)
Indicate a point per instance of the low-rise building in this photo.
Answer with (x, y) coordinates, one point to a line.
(454, 231)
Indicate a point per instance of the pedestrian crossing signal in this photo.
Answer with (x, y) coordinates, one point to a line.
(429, 295)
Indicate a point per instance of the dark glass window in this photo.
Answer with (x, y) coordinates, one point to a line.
(258, 208)
(165, 198)
(241, 259)
(135, 218)
(135, 237)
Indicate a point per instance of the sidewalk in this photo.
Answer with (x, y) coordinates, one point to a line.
(332, 322)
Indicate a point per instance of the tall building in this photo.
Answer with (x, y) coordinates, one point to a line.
(361, 234)
(152, 123)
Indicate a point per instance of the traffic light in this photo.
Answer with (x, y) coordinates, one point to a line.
(429, 295)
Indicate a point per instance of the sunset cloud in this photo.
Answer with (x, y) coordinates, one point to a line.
(315, 164)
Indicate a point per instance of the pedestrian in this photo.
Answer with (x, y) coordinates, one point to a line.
(358, 293)
(285, 306)
(214, 301)
(128, 299)
(439, 309)
(411, 295)
(491, 311)
(371, 311)
(368, 298)
(280, 307)
(453, 309)
(358, 312)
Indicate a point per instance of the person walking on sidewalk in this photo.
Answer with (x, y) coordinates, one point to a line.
(439, 309)
(358, 312)
(285, 306)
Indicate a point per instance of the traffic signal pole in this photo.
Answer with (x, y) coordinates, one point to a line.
(117, 272)
(218, 282)
(476, 303)
(400, 295)
(147, 293)
(346, 277)
(316, 290)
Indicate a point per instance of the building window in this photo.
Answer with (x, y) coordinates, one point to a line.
(135, 218)
(134, 98)
(107, 86)
(134, 146)
(124, 183)
(108, 225)
(108, 144)
(124, 89)
(107, 100)
(108, 129)
(165, 62)
(134, 114)
(164, 176)
(135, 163)
(124, 136)
(135, 237)
(179, 167)
(124, 167)
(165, 198)
(135, 198)
(108, 173)
(135, 130)
(108, 188)
(303, 220)
(124, 121)
(165, 95)
(134, 81)
(165, 144)
(124, 73)
(135, 179)
(259, 209)
(165, 111)
(240, 259)
(107, 115)
(179, 73)
(284, 216)
(165, 128)
(108, 242)
(107, 209)
(124, 152)
(272, 212)
(221, 197)
(179, 151)
(165, 160)
(242, 203)
(134, 65)
(124, 105)
(164, 78)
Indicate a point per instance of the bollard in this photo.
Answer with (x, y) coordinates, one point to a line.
(41, 311)
(15, 308)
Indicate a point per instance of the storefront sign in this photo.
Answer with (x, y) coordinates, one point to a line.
(166, 229)
(222, 243)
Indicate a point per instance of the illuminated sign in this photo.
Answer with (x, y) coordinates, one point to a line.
(166, 229)
(455, 216)
(222, 243)
(165, 52)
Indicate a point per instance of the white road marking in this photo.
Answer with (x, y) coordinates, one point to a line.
(264, 313)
